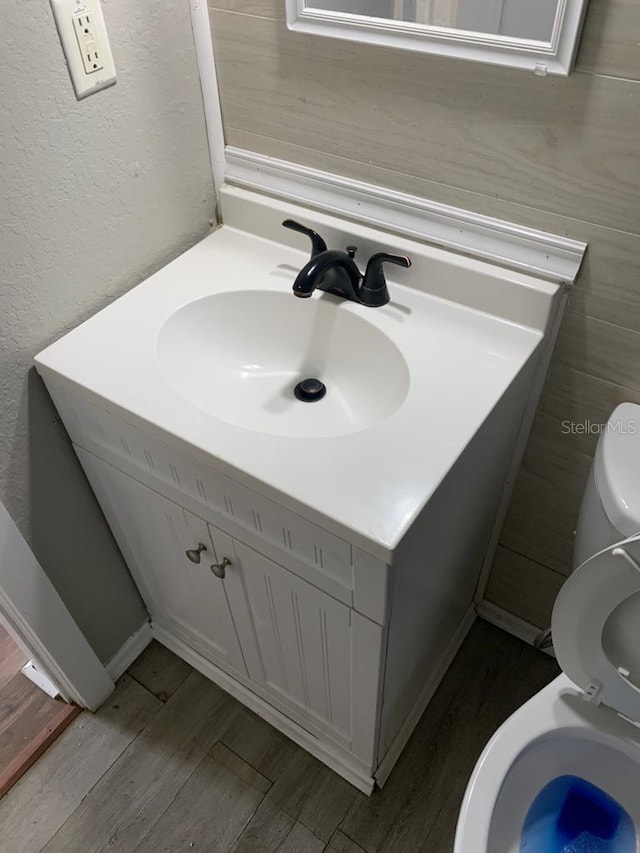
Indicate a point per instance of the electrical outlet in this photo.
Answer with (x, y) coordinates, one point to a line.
(85, 43)
(88, 43)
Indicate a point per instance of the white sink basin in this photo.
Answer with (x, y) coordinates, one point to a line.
(207, 351)
(239, 355)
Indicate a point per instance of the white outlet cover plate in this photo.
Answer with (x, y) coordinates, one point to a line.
(89, 72)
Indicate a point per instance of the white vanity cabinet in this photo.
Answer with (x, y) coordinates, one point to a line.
(312, 657)
(154, 535)
(353, 534)
(339, 649)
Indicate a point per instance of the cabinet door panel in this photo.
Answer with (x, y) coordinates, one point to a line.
(308, 648)
(303, 638)
(154, 534)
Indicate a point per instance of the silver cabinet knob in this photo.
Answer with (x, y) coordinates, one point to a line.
(193, 554)
(219, 569)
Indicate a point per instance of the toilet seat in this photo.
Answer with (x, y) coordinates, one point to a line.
(584, 724)
(595, 627)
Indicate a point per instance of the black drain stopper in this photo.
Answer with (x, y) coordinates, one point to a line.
(310, 390)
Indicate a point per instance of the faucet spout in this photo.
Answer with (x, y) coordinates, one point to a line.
(332, 271)
(337, 272)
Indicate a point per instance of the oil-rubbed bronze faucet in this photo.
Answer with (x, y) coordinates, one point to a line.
(336, 272)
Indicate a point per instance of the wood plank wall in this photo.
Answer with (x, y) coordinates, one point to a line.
(552, 153)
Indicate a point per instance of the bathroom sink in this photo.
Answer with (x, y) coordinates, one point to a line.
(239, 355)
(208, 351)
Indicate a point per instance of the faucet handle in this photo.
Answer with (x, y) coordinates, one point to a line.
(317, 243)
(373, 291)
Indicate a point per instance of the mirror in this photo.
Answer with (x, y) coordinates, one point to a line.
(523, 19)
(539, 35)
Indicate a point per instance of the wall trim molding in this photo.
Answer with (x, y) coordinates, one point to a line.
(129, 651)
(36, 615)
(511, 624)
(205, 60)
(527, 250)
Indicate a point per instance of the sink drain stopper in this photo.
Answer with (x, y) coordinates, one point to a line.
(310, 390)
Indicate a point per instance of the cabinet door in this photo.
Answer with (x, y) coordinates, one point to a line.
(154, 535)
(318, 658)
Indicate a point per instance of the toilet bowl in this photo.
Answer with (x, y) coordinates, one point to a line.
(562, 774)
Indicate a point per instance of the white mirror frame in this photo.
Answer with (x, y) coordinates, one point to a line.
(553, 57)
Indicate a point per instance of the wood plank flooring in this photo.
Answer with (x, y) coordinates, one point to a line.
(12, 658)
(29, 719)
(172, 763)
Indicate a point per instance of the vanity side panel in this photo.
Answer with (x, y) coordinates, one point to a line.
(370, 586)
(437, 568)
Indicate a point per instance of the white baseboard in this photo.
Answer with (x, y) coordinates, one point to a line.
(511, 624)
(323, 752)
(406, 730)
(129, 651)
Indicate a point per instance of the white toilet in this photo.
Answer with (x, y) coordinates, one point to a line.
(562, 775)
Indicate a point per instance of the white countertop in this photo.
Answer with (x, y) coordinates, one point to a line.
(365, 486)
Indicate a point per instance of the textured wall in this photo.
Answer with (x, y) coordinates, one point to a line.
(556, 154)
(94, 196)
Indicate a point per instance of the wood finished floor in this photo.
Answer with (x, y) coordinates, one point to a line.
(12, 658)
(29, 719)
(171, 763)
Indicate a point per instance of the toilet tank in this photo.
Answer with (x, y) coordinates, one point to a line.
(610, 509)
